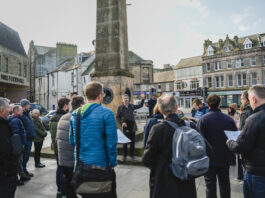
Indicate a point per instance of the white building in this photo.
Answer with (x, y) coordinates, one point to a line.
(188, 78)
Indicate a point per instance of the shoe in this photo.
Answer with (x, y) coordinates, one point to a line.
(237, 179)
(24, 178)
(241, 183)
(123, 159)
(20, 183)
(28, 174)
(133, 158)
(39, 165)
(59, 195)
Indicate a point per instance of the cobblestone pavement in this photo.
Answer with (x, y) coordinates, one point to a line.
(132, 182)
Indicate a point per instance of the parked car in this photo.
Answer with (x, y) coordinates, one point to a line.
(42, 110)
(46, 119)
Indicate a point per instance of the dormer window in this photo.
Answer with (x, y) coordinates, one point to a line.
(210, 50)
(227, 48)
(247, 43)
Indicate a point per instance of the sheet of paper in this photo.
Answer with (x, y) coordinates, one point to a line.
(122, 138)
(232, 135)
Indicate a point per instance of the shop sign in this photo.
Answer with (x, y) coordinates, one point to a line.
(12, 79)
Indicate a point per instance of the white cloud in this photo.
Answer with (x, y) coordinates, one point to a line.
(236, 18)
(243, 28)
(194, 4)
(239, 20)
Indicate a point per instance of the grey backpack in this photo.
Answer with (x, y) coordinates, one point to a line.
(189, 157)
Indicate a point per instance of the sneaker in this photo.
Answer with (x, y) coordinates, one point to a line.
(28, 174)
(39, 165)
(123, 159)
(24, 178)
(133, 158)
(241, 183)
(237, 179)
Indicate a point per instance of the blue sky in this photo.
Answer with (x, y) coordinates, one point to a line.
(160, 30)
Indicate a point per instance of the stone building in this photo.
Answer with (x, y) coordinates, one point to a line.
(188, 78)
(164, 82)
(231, 66)
(14, 68)
(44, 59)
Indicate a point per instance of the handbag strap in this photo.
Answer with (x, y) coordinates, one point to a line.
(78, 123)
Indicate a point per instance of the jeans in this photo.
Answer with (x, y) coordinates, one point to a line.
(8, 187)
(38, 147)
(222, 173)
(59, 177)
(254, 186)
(67, 179)
(132, 146)
(26, 154)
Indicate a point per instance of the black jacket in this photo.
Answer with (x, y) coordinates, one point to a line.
(247, 111)
(125, 114)
(8, 162)
(158, 155)
(212, 126)
(251, 142)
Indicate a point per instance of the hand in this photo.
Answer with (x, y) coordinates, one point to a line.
(227, 141)
(124, 124)
(142, 95)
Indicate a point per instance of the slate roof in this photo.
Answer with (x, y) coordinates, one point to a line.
(41, 50)
(189, 62)
(67, 65)
(256, 40)
(10, 39)
(166, 76)
(134, 57)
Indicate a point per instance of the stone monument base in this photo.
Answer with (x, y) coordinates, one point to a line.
(118, 86)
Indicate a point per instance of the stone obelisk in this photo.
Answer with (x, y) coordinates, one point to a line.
(111, 64)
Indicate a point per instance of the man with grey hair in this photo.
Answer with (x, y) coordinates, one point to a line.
(126, 119)
(251, 145)
(158, 154)
(8, 161)
(40, 135)
(17, 127)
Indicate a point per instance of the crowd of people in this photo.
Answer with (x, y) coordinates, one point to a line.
(84, 141)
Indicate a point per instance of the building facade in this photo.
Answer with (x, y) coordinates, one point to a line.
(164, 82)
(14, 67)
(188, 78)
(44, 60)
(233, 65)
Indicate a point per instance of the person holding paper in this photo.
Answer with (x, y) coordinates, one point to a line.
(251, 145)
(212, 127)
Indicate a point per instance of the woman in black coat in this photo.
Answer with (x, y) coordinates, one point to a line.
(157, 156)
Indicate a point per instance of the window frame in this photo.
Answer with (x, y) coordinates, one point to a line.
(251, 78)
(227, 63)
(25, 71)
(230, 80)
(241, 62)
(251, 61)
(6, 65)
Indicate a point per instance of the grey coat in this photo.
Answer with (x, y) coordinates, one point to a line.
(65, 149)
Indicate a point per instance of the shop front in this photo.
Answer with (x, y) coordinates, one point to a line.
(185, 98)
(228, 97)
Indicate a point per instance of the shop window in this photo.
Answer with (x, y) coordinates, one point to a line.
(230, 81)
(229, 64)
(239, 62)
(159, 86)
(252, 61)
(253, 79)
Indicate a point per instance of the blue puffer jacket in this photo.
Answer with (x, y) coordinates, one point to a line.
(202, 111)
(28, 125)
(17, 127)
(96, 121)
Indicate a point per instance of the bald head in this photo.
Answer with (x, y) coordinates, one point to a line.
(167, 104)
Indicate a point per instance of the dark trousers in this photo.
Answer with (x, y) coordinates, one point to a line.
(26, 154)
(132, 146)
(222, 174)
(67, 179)
(239, 168)
(8, 187)
(59, 177)
(38, 147)
(113, 190)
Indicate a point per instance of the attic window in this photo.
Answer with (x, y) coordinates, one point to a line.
(228, 49)
(210, 51)
(247, 43)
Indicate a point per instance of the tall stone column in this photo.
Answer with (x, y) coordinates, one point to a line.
(111, 64)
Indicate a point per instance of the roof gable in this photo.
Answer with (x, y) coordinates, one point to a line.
(247, 40)
(10, 39)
